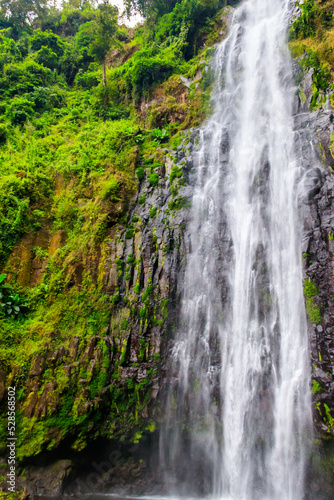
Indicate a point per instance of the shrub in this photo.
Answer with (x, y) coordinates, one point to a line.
(175, 173)
(46, 57)
(160, 135)
(153, 179)
(19, 110)
(147, 72)
(314, 15)
(87, 79)
(47, 98)
(47, 39)
(140, 173)
(11, 304)
(23, 77)
(181, 26)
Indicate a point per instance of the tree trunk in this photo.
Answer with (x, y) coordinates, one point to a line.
(104, 77)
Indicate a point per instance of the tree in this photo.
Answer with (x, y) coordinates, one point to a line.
(19, 14)
(9, 51)
(47, 57)
(102, 33)
(158, 8)
(147, 8)
(47, 39)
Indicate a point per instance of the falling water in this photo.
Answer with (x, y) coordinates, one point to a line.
(238, 410)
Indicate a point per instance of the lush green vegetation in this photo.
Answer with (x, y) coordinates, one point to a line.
(74, 144)
(312, 36)
(61, 115)
(313, 311)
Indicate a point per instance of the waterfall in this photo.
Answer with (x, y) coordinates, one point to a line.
(238, 411)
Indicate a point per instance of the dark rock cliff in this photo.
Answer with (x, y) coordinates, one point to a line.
(314, 138)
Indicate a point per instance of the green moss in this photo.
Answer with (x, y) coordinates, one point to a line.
(110, 188)
(313, 311)
(4, 495)
(123, 352)
(155, 165)
(143, 312)
(140, 173)
(179, 203)
(164, 308)
(147, 293)
(175, 173)
(310, 289)
(153, 179)
(137, 437)
(142, 200)
(316, 387)
(328, 418)
(125, 325)
(129, 234)
(115, 298)
(153, 212)
(151, 427)
(130, 259)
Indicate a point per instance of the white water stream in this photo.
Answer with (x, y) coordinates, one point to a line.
(239, 412)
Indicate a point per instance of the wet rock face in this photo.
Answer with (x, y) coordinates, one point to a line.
(48, 480)
(313, 137)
